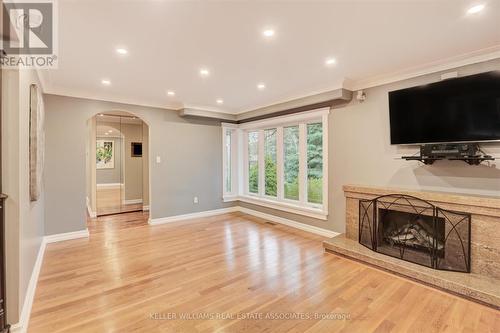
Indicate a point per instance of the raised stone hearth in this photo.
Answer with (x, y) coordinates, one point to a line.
(482, 284)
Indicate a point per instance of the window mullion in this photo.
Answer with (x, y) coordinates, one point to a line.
(224, 161)
(302, 163)
(262, 163)
(325, 162)
(279, 163)
(246, 188)
(234, 162)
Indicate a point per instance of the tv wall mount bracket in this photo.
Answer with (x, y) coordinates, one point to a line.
(470, 153)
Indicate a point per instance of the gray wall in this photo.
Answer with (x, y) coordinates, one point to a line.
(145, 165)
(360, 153)
(133, 165)
(190, 165)
(115, 175)
(24, 219)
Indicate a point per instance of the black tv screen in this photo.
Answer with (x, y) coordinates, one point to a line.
(453, 110)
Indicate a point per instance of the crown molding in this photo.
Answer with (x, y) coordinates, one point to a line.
(470, 58)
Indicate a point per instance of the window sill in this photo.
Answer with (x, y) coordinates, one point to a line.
(230, 198)
(283, 206)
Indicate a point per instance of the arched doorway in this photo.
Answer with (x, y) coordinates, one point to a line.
(117, 164)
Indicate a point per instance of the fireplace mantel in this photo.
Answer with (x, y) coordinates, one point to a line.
(467, 203)
(483, 281)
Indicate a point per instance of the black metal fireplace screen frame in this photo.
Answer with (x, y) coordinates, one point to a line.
(368, 215)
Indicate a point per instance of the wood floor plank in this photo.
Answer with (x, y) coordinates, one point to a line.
(230, 273)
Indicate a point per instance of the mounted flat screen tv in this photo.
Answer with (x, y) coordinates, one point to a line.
(465, 109)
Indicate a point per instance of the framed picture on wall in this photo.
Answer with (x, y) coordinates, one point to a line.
(136, 149)
(36, 141)
(105, 154)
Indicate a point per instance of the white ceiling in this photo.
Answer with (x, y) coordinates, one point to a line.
(168, 42)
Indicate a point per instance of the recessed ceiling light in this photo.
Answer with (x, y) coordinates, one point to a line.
(330, 61)
(121, 51)
(110, 131)
(106, 133)
(220, 101)
(204, 72)
(171, 93)
(268, 32)
(106, 82)
(261, 86)
(475, 9)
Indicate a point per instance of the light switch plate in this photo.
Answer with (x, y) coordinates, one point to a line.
(158, 159)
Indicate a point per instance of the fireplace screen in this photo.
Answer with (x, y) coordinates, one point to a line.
(414, 230)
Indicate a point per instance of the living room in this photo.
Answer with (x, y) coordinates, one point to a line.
(260, 166)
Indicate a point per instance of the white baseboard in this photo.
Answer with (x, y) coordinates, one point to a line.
(145, 208)
(22, 325)
(131, 202)
(91, 213)
(110, 185)
(273, 218)
(176, 218)
(290, 223)
(67, 236)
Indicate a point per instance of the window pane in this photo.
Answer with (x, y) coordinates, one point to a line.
(228, 161)
(270, 160)
(253, 162)
(315, 163)
(291, 161)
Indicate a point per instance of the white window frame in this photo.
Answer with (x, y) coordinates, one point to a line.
(233, 194)
(301, 206)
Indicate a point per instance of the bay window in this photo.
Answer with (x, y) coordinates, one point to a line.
(279, 163)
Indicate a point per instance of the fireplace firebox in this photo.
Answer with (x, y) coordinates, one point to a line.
(417, 231)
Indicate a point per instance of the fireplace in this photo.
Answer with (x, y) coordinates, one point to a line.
(414, 230)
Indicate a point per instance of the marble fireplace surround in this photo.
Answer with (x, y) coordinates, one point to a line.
(481, 285)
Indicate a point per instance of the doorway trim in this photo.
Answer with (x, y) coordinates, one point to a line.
(91, 166)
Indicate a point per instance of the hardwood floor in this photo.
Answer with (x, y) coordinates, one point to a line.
(132, 277)
(109, 201)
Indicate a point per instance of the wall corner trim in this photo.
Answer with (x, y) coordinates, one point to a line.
(91, 213)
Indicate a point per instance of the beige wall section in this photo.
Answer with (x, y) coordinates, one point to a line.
(133, 173)
(145, 165)
(360, 153)
(24, 219)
